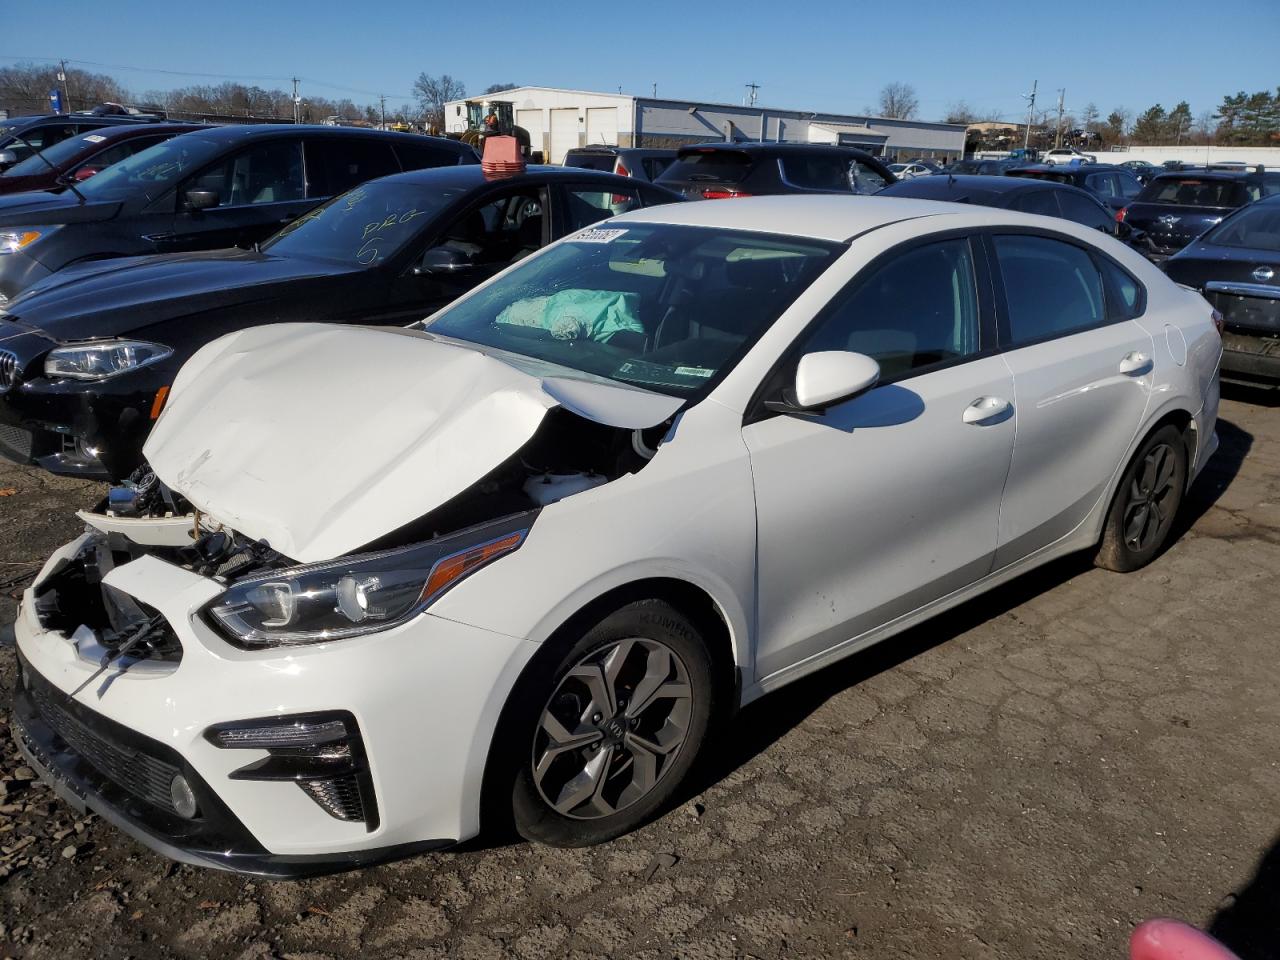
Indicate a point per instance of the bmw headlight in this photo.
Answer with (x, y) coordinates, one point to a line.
(101, 359)
(13, 239)
(358, 594)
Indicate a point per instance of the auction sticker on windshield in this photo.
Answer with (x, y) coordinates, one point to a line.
(598, 236)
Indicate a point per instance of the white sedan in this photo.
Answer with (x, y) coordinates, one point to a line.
(517, 563)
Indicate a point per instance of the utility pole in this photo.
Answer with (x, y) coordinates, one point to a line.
(66, 84)
(751, 97)
(296, 113)
(1057, 130)
(383, 100)
(655, 89)
(1031, 106)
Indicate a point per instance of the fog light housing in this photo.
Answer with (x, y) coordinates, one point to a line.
(322, 753)
(184, 800)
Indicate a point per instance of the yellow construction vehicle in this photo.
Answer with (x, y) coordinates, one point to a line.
(493, 118)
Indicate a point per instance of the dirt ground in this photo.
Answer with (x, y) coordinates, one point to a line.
(1030, 776)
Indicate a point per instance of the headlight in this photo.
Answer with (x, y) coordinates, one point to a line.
(360, 594)
(19, 238)
(102, 359)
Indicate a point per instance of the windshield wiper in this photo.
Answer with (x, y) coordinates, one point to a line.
(48, 163)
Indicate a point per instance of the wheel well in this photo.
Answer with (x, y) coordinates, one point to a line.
(692, 601)
(1186, 425)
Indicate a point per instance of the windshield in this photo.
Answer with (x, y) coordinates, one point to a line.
(60, 153)
(669, 308)
(366, 225)
(152, 171)
(1194, 192)
(1256, 227)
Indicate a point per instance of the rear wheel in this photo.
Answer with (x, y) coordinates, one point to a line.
(1146, 503)
(601, 736)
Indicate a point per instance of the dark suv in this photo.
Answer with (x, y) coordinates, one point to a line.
(220, 187)
(643, 163)
(1176, 207)
(721, 171)
(45, 130)
(1114, 186)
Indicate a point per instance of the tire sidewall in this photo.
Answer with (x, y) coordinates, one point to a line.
(530, 814)
(1115, 553)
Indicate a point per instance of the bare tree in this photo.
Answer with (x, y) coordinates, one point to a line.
(433, 93)
(498, 88)
(960, 112)
(898, 100)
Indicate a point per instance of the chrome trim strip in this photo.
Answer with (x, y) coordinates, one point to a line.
(1243, 289)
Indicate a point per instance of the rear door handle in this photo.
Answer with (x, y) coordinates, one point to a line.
(1136, 364)
(986, 409)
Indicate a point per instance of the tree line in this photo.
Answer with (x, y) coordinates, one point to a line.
(24, 89)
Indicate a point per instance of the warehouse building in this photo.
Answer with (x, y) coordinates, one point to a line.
(559, 120)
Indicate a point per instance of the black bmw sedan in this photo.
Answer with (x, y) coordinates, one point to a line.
(87, 355)
(1236, 265)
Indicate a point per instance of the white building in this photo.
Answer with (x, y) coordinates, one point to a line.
(559, 120)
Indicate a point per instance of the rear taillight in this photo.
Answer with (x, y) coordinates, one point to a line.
(1218, 321)
(622, 171)
(1120, 214)
(722, 195)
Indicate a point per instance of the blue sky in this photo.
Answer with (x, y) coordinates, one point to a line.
(816, 55)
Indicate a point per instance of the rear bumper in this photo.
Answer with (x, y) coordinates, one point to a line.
(1250, 359)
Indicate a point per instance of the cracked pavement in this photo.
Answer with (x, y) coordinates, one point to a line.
(1030, 775)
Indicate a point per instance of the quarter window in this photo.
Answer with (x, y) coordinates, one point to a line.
(915, 311)
(1051, 288)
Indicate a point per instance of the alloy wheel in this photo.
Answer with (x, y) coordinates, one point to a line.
(612, 728)
(1148, 509)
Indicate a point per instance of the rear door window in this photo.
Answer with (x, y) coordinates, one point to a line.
(1051, 288)
(422, 156)
(269, 172)
(1040, 202)
(1103, 184)
(1084, 211)
(335, 166)
(726, 166)
(654, 167)
(1130, 186)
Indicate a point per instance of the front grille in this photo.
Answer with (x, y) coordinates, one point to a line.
(8, 369)
(15, 439)
(339, 798)
(143, 776)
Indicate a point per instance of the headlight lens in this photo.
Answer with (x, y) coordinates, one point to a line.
(18, 238)
(360, 594)
(102, 359)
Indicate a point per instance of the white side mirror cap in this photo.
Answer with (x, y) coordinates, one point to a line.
(827, 376)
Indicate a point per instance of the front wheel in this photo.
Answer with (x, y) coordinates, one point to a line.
(601, 736)
(1146, 503)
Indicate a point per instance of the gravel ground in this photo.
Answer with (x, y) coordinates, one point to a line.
(1029, 776)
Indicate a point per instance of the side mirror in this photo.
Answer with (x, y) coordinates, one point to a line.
(442, 261)
(827, 377)
(7, 159)
(201, 199)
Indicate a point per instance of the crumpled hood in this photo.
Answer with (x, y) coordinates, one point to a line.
(321, 438)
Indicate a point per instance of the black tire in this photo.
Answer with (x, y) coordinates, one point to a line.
(1146, 503)
(635, 636)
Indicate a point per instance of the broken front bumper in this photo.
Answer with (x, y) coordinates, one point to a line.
(424, 698)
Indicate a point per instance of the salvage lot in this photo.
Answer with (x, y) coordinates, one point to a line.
(1029, 776)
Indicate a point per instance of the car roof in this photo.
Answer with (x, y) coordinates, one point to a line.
(472, 175)
(941, 185)
(126, 131)
(1211, 173)
(767, 146)
(233, 132)
(829, 217)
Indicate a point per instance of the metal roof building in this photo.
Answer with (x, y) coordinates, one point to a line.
(559, 120)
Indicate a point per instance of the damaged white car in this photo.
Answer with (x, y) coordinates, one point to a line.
(381, 587)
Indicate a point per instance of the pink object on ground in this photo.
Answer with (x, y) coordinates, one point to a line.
(1174, 940)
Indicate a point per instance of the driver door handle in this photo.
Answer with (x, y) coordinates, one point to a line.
(986, 409)
(1136, 364)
